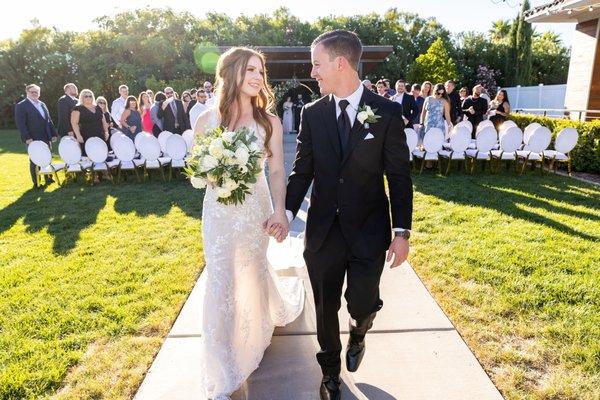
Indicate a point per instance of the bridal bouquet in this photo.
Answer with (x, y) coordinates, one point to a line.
(227, 161)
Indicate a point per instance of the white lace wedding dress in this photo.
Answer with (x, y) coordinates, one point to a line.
(243, 298)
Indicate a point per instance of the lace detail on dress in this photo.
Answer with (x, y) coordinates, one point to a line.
(243, 298)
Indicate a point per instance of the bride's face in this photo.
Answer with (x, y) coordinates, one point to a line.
(253, 80)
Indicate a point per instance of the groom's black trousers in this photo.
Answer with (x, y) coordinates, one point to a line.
(327, 268)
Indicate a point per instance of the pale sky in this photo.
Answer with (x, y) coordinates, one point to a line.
(456, 15)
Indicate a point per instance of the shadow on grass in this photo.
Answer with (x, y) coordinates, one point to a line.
(65, 212)
(506, 194)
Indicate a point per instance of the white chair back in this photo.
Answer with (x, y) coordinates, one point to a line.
(188, 136)
(162, 140)
(139, 137)
(538, 139)
(485, 123)
(467, 124)
(460, 139)
(566, 140)
(433, 140)
(124, 148)
(508, 124)
(511, 139)
(96, 149)
(412, 139)
(486, 139)
(149, 147)
(39, 153)
(529, 130)
(176, 147)
(69, 150)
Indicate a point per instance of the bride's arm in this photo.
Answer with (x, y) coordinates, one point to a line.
(202, 122)
(277, 181)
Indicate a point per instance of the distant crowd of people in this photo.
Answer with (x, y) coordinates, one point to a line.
(82, 115)
(427, 106)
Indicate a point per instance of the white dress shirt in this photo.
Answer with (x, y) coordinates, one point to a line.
(117, 108)
(38, 105)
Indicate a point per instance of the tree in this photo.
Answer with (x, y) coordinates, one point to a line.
(435, 65)
(550, 63)
(518, 67)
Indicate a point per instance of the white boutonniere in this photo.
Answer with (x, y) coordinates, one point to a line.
(367, 115)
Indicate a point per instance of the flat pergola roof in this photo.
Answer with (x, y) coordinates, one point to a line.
(565, 11)
(286, 62)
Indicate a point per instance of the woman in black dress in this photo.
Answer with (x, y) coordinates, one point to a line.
(88, 119)
(499, 108)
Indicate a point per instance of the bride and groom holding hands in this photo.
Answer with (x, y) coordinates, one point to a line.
(348, 141)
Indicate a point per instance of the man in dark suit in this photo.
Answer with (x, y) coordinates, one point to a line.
(34, 122)
(455, 103)
(345, 156)
(298, 104)
(410, 111)
(173, 114)
(65, 106)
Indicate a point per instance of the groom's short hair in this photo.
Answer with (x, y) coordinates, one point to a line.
(341, 42)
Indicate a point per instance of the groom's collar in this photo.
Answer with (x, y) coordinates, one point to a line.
(353, 99)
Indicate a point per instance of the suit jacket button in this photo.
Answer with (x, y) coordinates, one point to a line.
(341, 180)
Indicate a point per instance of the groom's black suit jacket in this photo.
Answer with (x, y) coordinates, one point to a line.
(353, 187)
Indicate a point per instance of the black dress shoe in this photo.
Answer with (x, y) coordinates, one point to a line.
(356, 344)
(330, 388)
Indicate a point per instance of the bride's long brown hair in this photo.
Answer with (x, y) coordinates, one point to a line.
(231, 69)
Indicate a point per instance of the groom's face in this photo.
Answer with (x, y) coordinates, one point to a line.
(324, 69)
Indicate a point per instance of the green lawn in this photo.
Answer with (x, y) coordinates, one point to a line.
(92, 278)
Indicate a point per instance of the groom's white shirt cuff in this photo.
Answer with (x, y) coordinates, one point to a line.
(290, 218)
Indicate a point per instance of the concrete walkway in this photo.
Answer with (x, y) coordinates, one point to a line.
(413, 351)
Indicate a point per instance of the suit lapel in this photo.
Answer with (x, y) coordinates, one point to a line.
(328, 114)
(358, 131)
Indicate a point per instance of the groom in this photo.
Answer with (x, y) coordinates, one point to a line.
(348, 227)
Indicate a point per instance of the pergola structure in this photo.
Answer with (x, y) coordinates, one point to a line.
(285, 63)
(583, 83)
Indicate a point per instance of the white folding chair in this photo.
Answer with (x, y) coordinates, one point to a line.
(432, 143)
(177, 149)
(508, 124)
(536, 139)
(459, 141)
(70, 152)
(466, 123)
(412, 139)
(511, 140)
(124, 150)
(485, 141)
(188, 136)
(162, 140)
(484, 124)
(565, 142)
(41, 156)
(97, 151)
(149, 148)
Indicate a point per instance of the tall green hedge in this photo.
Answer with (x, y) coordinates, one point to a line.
(586, 155)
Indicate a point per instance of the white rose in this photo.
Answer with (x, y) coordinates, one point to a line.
(208, 163)
(230, 185)
(228, 153)
(215, 149)
(198, 183)
(230, 161)
(223, 193)
(362, 116)
(370, 112)
(242, 156)
(228, 136)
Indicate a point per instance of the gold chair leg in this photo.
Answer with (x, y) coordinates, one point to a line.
(422, 165)
(448, 167)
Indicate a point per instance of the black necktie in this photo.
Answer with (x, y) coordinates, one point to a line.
(343, 123)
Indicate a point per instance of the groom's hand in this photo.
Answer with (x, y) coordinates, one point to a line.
(277, 227)
(398, 250)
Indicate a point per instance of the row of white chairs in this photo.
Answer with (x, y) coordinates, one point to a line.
(145, 152)
(507, 144)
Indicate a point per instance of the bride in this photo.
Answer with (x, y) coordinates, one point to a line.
(243, 298)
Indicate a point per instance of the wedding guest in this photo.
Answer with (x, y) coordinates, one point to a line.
(65, 106)
(463, 93)
(416, 92)
(145, 104)
(499, 109)
(475, 107)
(131, 119)
(388, 87)
(150, 94)
(34, 123)
(298, 105)
(208, 90)
(173, 113)
(193, 94)
(186, 99)
(367, 83)
(201, 96)
(409, 107)
(426, 90)
(87, 119)
(485, 95)
(103, 104)
(118, 105)
(455, 103)
(198, 108)
(436, 110)
(382, 89)
(158, 121)
(288, 116)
